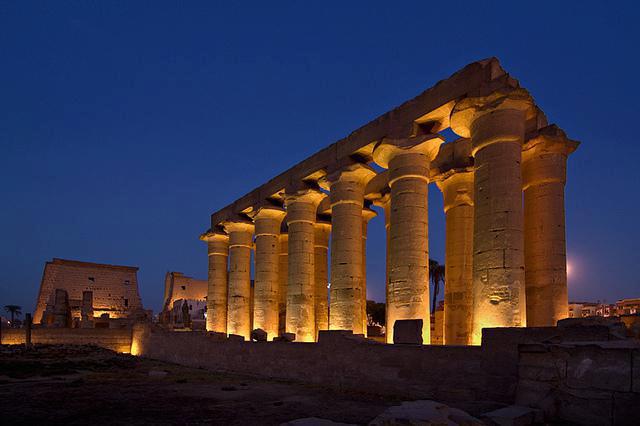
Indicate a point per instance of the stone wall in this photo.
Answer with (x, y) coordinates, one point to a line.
(118, 340)
(179, 286)
(115, 288)
(340, 360)
(585, 383)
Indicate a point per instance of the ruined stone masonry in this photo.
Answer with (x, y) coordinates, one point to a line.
(180, 290)
(85, 290)
(503, 186)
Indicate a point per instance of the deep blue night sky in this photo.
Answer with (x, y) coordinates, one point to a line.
(123, 125)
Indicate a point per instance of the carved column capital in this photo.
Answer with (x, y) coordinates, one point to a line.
(498, 117)
(544, 157)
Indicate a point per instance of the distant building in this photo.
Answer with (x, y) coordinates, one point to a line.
(114, 290)
(628, 306)
(178, 290)
(598, 309)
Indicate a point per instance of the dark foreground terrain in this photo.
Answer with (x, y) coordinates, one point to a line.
(56, 384)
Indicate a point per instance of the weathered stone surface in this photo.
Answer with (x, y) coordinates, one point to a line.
(542, 366)
(111, 286)
(239, 296)
(235, 338)
(288, 337)
(496, 125)
(322, 231)
(259, 335)
(301, 218)
(457, 190)
(544, 160)
(542, 395)
(314, 421)
(636, 371)
(408, 332)
(267, 259)
(614, 326)
(592, 368)
(217, 287)
(423, 413)
(514, 415)
(626, 408)
(632, 323)
(347, 201)
(408, 161)
(588, 407)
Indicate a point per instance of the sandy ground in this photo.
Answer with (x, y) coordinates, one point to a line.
(56, 384)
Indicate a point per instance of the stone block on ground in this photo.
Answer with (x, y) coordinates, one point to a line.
(235, 338)
(617, 328)
(259, 335)
(514, 415)
(424, 413)
(216, 335)
(339, 337)
(288, 337)
(407, 332)
(314, 421)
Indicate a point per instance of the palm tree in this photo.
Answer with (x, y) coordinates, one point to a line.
(436, 276)
(14, 310)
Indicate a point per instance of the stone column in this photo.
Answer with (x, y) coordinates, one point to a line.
(496, 125)
(283, 279)
(218, 251)
(347, 200)
(544, 165)
(408, 161)
(321, 269)
(385, 203)
(301, 217)
(367, 215)
(457, 191)
(239, 300)
(267, 281)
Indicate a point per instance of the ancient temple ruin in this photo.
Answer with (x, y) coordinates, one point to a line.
(73, 291)
(503, 186)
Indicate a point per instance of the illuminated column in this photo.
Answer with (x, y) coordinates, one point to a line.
(283, 279)
(457, 191)
(321, 246)
(218, 251)
(496, 126)
(239, 300)
(408, 161)
(347, 200)
(267, 257)
(385, 202)
(367, 215)
(301, 217)
(544, 166)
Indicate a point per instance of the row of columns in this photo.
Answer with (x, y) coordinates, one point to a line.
(505, 260)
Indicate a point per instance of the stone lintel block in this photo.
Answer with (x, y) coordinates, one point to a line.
(407, 332)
